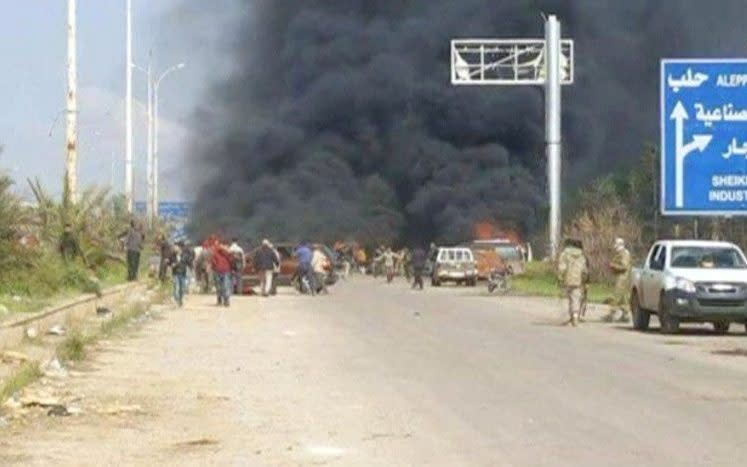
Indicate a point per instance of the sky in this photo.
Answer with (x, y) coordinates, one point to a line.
(33, 47)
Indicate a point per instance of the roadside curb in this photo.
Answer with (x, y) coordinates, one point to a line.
(12, 332)
(59, 307)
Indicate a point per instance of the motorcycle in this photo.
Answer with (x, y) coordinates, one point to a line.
(500, 280)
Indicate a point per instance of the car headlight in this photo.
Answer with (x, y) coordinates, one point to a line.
(684, 285)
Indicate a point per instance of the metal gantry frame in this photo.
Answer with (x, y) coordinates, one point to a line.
(516, 62)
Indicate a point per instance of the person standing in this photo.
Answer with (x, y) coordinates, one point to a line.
(388, 260)
(318, 263)
(188, 252)
(276, 270)
(418, 260)
(238, 263)
(361, 260)
(179, 261)
(266, 261)
(220, 261)
(572, 272)
(165, 249)
(620, 267)
(202, 267)
(69, 247)
(133, 238)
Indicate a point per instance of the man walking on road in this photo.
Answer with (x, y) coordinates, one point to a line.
(238, 262)
(572, 272)
(221, 265)
(265, 262)
(165, 249)
(418, 266)
(620, 267)
(134, 238)
(180, 262)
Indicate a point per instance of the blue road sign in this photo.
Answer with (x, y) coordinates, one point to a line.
(174, 213)
(704, 137)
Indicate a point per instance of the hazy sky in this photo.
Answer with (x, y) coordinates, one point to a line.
(33, 48)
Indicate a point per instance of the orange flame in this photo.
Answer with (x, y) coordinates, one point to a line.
(487, 230)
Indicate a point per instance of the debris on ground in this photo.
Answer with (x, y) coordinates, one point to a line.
(215, 397)
(732, 352)
(16, 298)
(61, 410)
(57, 330)
(42, 400)
(11, 356)
(116, 409)
(32, 333)
(198, 442)
(102, 310)
(55, 369)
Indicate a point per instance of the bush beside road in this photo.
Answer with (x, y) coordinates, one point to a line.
(539, 279)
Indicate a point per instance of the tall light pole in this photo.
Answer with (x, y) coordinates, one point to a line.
(516, 62)
(128, 112)
(71, 134)
(156, 85)
(149, 163)
(552, 128)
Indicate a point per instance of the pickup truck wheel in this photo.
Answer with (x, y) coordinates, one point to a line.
(669, 324)
(721, 327)
(641, 317)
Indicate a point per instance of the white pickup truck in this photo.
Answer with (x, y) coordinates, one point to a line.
(690, 281)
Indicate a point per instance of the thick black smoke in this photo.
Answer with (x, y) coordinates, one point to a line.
(339, 119)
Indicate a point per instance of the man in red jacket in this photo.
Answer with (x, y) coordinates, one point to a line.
(220, 261)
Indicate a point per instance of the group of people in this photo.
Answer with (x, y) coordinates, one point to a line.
(573, 273)
(408, 263)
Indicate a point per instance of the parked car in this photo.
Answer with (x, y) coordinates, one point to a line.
(454, 264)
(288, 267)
(690, 281)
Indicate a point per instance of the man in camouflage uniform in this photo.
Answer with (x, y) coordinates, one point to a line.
(573, 272)
(620, 267)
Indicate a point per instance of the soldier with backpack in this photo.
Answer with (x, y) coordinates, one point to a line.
(573, 273)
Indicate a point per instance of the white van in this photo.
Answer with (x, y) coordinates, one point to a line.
(456, 265)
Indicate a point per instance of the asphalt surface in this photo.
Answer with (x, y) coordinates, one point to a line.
(381, 375)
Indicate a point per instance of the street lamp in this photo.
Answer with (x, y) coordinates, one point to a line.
(155, 131)
(149, 164)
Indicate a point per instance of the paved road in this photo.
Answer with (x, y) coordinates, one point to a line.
(380, 375)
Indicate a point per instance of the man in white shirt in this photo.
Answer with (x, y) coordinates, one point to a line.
(318, 261)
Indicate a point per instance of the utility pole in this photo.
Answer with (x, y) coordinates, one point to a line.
(71, 134)
(552, 128)
(128, 113)
(514, 62)
(149, 204)
(156, 121)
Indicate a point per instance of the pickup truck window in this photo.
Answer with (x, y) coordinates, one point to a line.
(658, 258)
(707, 258)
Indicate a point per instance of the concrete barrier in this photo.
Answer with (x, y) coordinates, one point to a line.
(13, 331)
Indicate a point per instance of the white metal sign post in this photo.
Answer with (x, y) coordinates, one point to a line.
(512, 62)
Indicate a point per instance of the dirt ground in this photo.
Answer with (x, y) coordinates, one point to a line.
(384, 376)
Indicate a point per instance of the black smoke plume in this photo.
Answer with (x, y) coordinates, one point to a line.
(338, 119)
